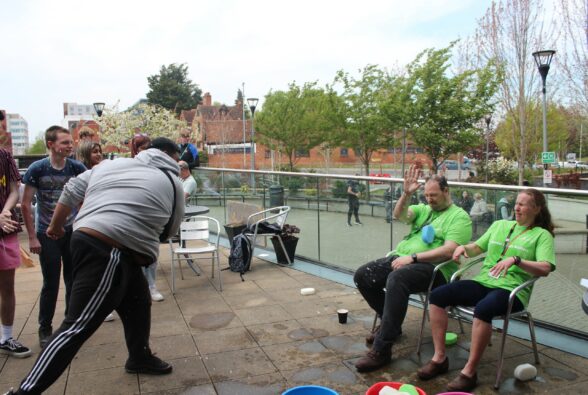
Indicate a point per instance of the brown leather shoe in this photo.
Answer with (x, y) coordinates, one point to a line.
(372, 361)
(463, 383)
(433, 369)
(369, 339)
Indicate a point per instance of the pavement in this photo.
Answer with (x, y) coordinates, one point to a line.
(260, 336)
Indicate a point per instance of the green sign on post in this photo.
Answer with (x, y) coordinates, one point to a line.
(548, 157)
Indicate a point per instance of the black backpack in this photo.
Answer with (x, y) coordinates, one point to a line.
(240, 256)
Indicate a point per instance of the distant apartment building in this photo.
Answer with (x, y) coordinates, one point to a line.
(18, 128)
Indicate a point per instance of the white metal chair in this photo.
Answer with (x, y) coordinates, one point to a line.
(461, 312)
(196, 229)
(275, 215)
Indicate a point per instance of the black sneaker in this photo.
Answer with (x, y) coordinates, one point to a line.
(149, 364)
(10, 392)
(14, 348)
(45, 333)
(348, 223)
(358, 223)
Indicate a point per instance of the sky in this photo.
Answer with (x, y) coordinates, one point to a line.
(103, 51)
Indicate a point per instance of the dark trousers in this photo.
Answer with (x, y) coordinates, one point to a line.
(54, 254)
(353, 202)
(387, 292)
(104, 279)
(488, 302)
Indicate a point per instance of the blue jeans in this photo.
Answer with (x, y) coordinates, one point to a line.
(54, 254)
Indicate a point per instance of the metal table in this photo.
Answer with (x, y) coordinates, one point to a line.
(191, 210)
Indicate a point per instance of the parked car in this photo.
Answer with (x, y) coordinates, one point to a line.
(452, 164)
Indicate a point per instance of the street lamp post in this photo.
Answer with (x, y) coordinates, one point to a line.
(488, 119)
(223, 110)
(543, 61)
(252, 103)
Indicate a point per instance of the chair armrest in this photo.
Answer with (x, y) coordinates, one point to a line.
(435, 271)
(526, 284)
(464, 268)
(251, 221)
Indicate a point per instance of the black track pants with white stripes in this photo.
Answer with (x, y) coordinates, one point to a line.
(104, 279)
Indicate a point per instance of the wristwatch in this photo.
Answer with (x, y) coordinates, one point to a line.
(517, 260)
(414, 258)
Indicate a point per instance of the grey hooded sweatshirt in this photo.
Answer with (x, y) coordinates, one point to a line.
(128, 200)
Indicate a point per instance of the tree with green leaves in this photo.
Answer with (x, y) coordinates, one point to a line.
(557, 125)
(239, 98)
(366, 122)
(295, 120)
(172, 89)
(38, 147)
(117, 128)
(445, 111)
(508, 33)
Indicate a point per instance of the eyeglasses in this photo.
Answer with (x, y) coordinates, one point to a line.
(185, 137)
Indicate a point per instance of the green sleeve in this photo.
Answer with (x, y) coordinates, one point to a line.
(544, 250)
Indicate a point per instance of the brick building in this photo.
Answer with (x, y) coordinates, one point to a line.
(219, 130)
(5, 138)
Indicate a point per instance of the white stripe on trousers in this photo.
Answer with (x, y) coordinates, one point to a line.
(87, 314)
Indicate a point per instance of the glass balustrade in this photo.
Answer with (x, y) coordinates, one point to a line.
(319, 208)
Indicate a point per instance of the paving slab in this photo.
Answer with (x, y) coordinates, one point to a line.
(260, 336)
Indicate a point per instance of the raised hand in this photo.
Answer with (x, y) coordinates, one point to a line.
(411, 179)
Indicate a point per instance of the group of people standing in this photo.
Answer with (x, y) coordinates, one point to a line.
(516, 250)
(99, 223)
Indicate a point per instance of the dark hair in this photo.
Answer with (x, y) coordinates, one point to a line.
(543, 218)
(51, 133)
(84, 152)
(138, 141)
(440, 180)
(166, 145)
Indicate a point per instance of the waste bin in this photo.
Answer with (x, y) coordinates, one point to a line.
(276, 193)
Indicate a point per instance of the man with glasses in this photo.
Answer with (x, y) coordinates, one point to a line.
(188, 152)
(437, 228)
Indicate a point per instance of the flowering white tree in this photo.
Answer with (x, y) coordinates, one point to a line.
(119, 127)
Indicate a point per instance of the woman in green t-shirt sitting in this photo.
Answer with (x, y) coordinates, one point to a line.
(515, 252)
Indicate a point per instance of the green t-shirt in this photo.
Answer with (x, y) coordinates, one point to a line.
(535, 244)
(450, 224)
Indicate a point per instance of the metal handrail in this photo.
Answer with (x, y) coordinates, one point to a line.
(497, 187)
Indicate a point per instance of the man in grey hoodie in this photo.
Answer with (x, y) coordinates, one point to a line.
(128, 207)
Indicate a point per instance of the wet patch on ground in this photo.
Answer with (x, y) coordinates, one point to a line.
(211, 321)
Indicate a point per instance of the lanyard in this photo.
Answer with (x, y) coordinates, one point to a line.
(508, 242)
(417, 230)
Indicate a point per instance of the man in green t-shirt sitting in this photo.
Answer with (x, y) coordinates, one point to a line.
(386, 284)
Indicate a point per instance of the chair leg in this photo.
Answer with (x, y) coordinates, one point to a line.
(220, 281)
(501, 352)
(173, 274)
(284, 250)
(212, 259)
(425, 317)
(533, 339)
(375, 322)
(180, 267)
